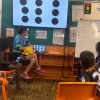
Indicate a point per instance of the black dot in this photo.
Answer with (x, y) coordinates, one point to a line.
(38, 20)
(55, 12)
(25, 10)
(38, 11)
(38, 2)
(23, 2)
(55, 3)
(54, 21)
(25, 19)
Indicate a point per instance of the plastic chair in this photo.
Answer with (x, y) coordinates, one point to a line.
(3, 87)
(77, 91)
(6, 73)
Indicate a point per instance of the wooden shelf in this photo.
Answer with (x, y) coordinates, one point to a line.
(54, 65)
(52, 54)
(52, 75)
(75, 69)
(76, 63)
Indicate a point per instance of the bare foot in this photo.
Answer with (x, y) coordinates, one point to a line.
(19, 88)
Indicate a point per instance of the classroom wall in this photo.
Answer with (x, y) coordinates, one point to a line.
(7, 22)
(7, 19)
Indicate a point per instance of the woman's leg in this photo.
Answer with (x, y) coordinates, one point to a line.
(25, 75)
(38, 69)
(18, 68)
(32, 61)
(33, 56)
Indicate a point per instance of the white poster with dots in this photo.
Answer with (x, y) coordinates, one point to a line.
(40, 13)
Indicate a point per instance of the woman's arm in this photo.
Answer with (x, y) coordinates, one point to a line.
(23, 48)
(35, 49)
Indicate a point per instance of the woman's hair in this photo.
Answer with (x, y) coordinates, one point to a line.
(21, 29)
(87, 59)
(98, 48)
(4, 44)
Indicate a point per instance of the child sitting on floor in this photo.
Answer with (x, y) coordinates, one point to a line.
(91, 70)
(5, 65)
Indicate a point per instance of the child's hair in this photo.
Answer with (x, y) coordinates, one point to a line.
(21, 29)
(87, 59)
(98, 48)
(4, 44)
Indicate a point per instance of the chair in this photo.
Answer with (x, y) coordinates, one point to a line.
(77, 91)
(3, 87)
(6, 73)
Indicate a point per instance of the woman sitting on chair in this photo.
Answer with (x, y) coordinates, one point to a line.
(5, 65)
(20, 44)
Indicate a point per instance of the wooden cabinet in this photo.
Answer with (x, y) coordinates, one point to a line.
(53, 65)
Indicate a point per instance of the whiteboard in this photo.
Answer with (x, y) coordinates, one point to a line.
(95, 15)
(91, 37)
